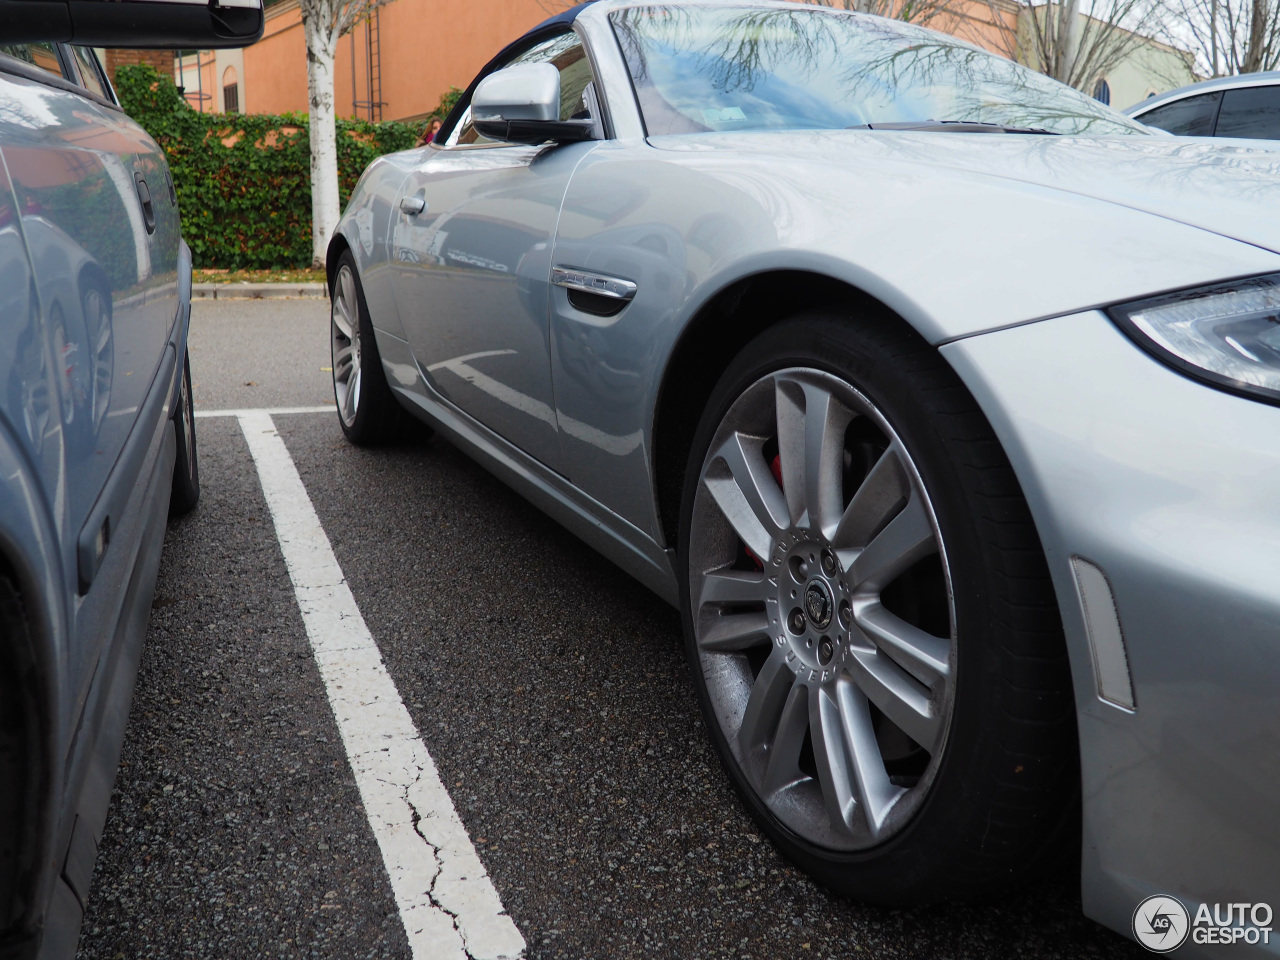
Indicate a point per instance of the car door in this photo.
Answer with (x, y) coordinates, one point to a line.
(100, 224)
(471, 246)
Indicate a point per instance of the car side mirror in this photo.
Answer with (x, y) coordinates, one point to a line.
(179, 24)
(521, 104)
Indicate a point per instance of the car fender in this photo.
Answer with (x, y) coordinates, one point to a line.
(365, 229)
(916, 237)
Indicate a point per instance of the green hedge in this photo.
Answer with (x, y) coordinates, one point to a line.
(243, 180)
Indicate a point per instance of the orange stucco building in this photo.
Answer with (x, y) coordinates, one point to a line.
(419, 49)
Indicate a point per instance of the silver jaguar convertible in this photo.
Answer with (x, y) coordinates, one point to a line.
(939, 398)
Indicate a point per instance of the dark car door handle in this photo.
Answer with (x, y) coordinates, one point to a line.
(412, 205)
(144, 197)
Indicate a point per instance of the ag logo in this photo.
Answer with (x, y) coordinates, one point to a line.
(1161, 924)
(817, 603)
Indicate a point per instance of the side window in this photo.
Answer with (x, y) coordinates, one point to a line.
(577, 90)
(1250, 112)
(91, 76)
(42, 55)
(464, 134)
(1189, 117)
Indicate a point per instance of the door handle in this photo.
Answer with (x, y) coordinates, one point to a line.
(412, 205)
(613, 288)
(144, 197)
(594, 293)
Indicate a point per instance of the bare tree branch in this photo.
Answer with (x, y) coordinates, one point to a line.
(1229, 36)
(1079, 41)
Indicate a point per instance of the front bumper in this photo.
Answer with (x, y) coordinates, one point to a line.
(1172, 488)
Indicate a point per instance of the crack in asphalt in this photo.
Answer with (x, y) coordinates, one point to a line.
(379, 737)
(416, 818)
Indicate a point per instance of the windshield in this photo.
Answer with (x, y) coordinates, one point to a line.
(765, 68)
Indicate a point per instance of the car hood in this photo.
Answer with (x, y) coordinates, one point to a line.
(1230, 189)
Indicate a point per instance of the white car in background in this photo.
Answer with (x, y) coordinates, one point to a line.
(1243, 107)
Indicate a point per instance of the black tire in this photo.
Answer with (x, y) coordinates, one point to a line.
(21, 769)
(1003, 792)
(368, 411)
(186, 468)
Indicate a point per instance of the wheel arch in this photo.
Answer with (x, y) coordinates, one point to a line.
(91, 273)
(337, 247)
(30, 728)
(725, 322)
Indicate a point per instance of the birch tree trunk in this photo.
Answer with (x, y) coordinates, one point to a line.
(318, 18)
(1065, 41)
(1071, 45)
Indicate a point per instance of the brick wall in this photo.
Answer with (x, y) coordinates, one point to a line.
(162, 60)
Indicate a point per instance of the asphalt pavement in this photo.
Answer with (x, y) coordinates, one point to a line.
(550, 689)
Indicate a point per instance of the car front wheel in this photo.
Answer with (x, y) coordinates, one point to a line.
(869, 617)
(367, 410)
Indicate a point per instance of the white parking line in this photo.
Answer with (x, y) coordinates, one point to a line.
(269, 411)
(447, 903)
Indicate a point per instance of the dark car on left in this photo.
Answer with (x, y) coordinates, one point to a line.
(97, 438)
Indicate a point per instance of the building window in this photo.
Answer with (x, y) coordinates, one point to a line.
(1102, 91)
(230, 91)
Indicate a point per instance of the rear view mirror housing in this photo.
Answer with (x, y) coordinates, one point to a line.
(137, 24)
(521, 104)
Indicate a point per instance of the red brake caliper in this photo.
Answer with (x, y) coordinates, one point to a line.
(776, 469)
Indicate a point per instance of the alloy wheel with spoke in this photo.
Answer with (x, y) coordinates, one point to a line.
(822, 609)
(345, 345)
(368, 409)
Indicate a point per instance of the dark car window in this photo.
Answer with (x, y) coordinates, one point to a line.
(1188, 117)
(91, 77)
(1250, 112)
(566, 53)
(42, 55)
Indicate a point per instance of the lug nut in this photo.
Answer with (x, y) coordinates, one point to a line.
(796, 621)
(825, 651)
(828, 564)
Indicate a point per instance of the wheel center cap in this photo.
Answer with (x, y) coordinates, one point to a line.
(818, 604)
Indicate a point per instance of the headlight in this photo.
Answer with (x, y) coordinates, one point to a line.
(1227, 335)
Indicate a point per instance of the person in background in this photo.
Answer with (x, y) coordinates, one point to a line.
(428, 134)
